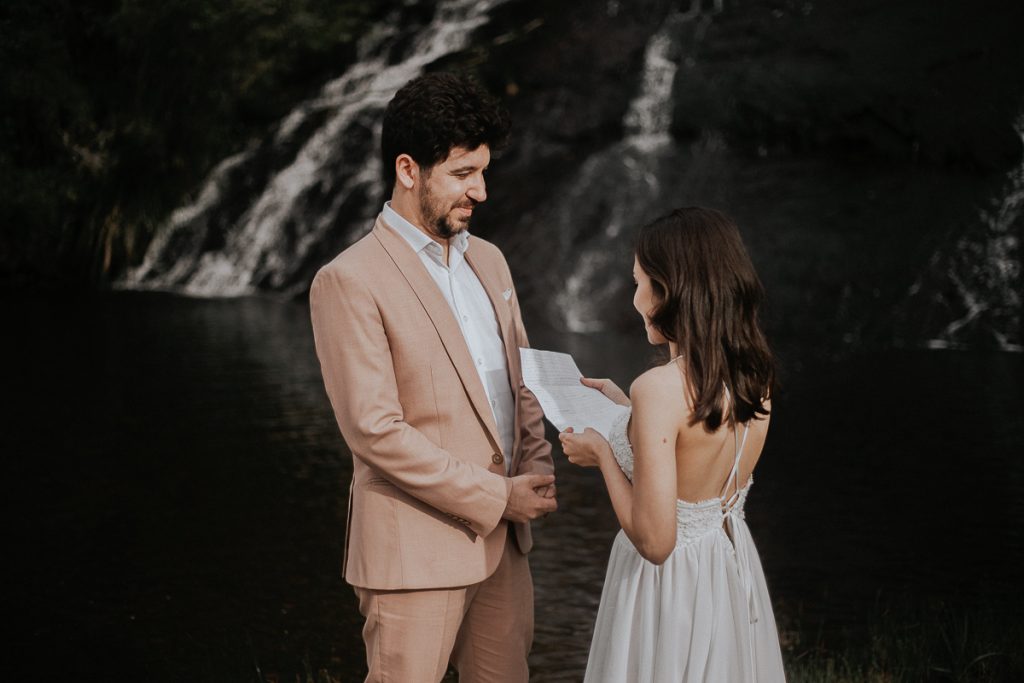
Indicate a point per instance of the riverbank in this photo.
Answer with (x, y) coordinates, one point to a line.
(936, 642)
(913, 643)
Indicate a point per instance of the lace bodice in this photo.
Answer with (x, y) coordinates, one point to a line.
(693, 520)
(619, 441)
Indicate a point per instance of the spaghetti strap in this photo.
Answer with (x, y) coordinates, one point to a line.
(730, 506)
(733, 474)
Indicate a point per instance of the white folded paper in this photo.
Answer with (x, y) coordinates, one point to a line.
(554, 379)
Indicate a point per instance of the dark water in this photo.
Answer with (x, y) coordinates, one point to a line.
(174, 489)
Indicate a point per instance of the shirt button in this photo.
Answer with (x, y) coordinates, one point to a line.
(479, 361)
(466, 318)
(497, 459)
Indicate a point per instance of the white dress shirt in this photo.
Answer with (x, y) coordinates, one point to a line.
(474, 313)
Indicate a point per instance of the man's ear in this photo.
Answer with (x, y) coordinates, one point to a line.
(407, 171)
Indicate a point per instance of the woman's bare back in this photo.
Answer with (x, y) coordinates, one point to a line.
(704, 460)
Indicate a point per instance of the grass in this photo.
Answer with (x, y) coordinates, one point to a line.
(899, 642)
(937, 642)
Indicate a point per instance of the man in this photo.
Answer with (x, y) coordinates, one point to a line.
(417, 328)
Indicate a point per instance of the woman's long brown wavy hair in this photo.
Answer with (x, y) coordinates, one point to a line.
(707, 295)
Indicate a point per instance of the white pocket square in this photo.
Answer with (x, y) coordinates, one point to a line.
(507, 294)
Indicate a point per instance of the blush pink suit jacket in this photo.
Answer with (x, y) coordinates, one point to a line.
(428, 490)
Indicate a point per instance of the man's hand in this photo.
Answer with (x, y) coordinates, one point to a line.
(525, 502)
(546, 491)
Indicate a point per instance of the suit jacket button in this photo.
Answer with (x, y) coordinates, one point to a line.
(497, 459)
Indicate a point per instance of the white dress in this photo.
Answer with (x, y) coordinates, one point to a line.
(703, 615)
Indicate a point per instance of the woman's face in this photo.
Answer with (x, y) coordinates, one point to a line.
(644, 302)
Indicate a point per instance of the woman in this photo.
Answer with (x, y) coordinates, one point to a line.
(684, 597)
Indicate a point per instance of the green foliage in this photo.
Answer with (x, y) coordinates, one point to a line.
(113, 111)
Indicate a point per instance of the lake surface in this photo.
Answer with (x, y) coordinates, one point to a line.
(174, 485)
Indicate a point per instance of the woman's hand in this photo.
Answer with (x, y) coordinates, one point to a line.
(608, 388)
(588, 449)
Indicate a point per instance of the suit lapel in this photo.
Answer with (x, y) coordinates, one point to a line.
(436, 306)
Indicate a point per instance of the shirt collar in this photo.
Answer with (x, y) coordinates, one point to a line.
(416, 238)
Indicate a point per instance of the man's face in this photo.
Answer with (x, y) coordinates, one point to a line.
(451, 189)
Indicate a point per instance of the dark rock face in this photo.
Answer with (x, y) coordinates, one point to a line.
(568, 70)
(568, 73)
(828, 132)
(905, 81)
(891, 104)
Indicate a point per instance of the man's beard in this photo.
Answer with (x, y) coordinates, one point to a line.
(437, 219)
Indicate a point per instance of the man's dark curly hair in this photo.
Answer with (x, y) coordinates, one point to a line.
(435, 113)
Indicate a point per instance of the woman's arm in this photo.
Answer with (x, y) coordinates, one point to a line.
(646, 509)
(590, 449)
(657, 412)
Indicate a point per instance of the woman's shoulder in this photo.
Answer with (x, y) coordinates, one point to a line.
(661, 385)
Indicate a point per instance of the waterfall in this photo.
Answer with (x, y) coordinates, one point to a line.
(268, 216)
(650, 113)
(628, 178)
(971, 291)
